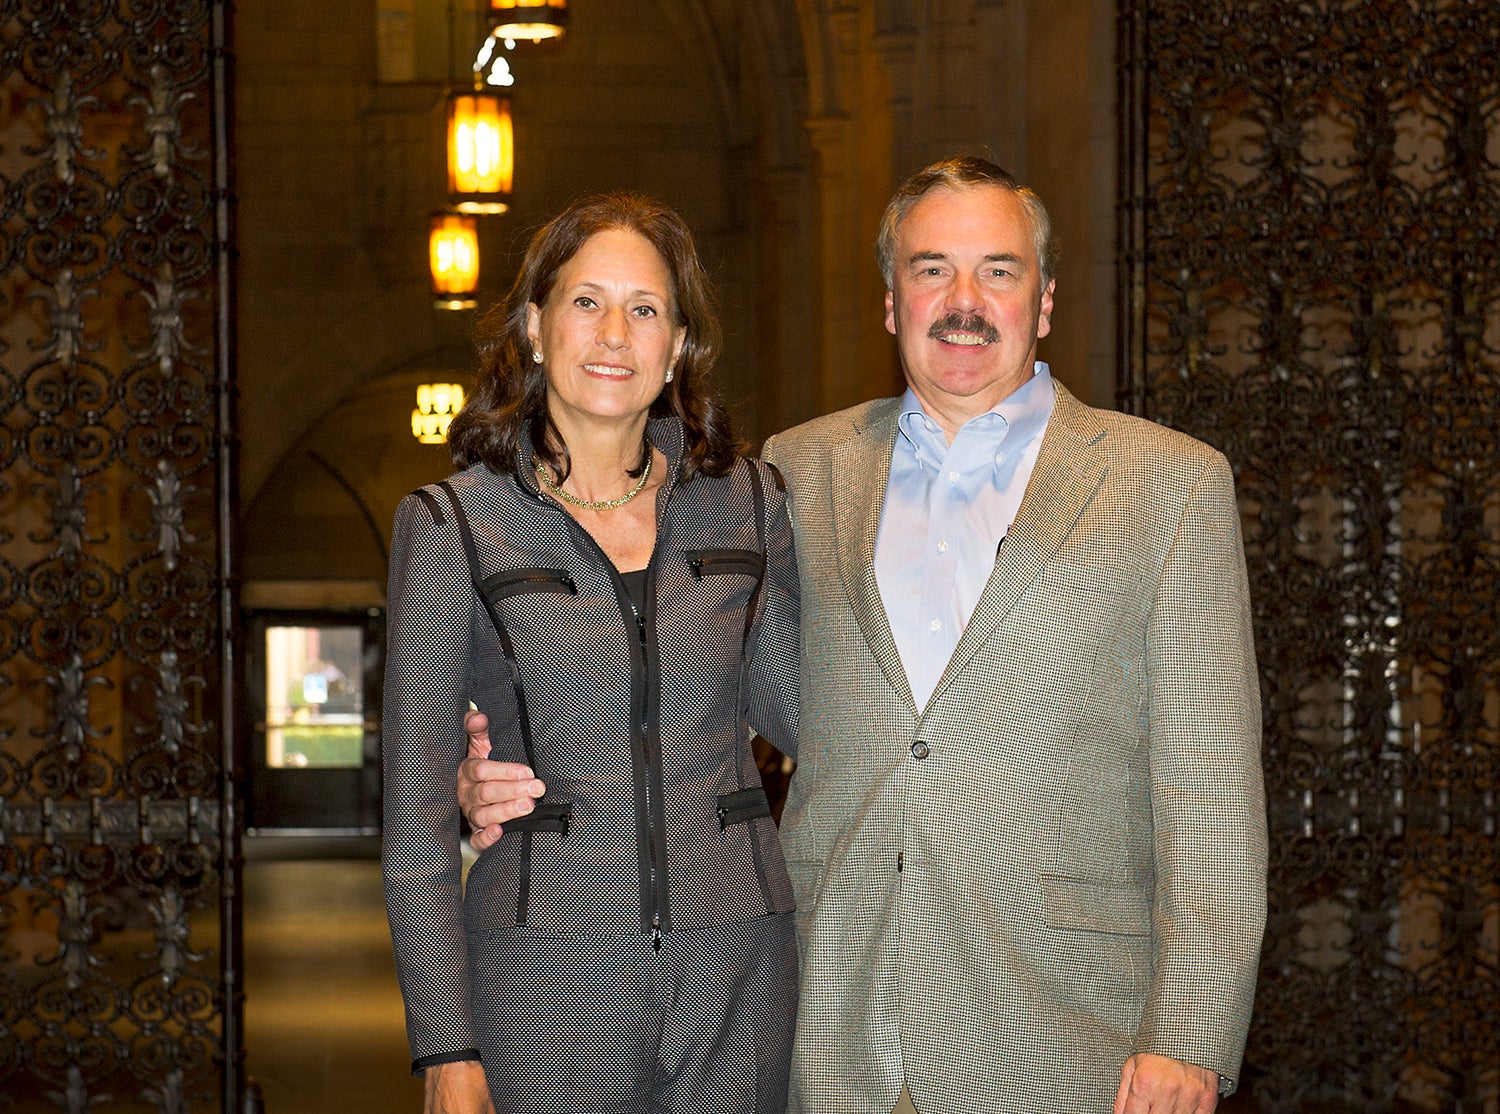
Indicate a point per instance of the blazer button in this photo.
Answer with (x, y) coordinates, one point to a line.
(919, 750)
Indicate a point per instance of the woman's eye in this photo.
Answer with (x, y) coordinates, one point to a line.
(584, 303)
(645, 311)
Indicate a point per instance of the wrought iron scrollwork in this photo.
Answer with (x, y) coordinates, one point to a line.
(1312, 193)
(112, 870)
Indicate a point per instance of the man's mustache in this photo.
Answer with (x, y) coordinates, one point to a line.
(964, 323)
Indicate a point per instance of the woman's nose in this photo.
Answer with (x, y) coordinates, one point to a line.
(613, 328)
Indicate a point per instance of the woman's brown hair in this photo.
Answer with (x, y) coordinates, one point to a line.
(512, 388)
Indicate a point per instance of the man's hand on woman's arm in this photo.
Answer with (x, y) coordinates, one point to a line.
(490, 794)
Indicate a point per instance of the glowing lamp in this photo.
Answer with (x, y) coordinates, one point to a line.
(453, 252)
(481, 152)
(528, 19)
(437, 403)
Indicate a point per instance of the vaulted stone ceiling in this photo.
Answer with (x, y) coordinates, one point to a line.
(778, 128)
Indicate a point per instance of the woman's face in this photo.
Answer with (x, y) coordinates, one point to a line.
(607, 332)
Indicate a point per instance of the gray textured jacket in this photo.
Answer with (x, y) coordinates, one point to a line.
(638, 719)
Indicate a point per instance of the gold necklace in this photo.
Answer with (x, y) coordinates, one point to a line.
(592, 504)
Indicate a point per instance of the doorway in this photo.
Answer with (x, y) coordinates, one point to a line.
(313, 683)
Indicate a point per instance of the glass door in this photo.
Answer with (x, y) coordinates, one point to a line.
(314, 697)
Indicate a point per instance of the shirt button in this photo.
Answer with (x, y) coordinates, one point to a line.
(942, 547)
(953, 477)
(919, 750)
(937, 624)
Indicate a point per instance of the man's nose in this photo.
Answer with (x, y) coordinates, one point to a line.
(963, 293)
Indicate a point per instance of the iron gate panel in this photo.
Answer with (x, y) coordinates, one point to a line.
(118, 935)
(1311, 201)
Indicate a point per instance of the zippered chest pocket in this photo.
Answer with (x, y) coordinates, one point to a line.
(716, 562)
(721, 568)
(513, 582)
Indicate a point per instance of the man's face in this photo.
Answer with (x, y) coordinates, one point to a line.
(967, 304)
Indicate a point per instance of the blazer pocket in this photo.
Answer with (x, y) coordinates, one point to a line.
(1085, 906)
(547, 815)
(708, 562)
(1093, 580)
(512, 582)
(742, 806)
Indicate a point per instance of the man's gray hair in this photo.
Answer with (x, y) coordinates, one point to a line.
(958, 174)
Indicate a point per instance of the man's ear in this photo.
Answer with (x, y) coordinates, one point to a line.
(1044, 313)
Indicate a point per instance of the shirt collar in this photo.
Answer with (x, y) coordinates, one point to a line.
(1012, 422)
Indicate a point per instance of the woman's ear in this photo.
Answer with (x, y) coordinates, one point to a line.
(534, 326)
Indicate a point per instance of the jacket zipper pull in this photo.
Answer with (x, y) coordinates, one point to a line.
(656, 933)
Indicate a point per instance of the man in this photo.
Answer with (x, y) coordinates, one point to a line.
(1027, 826)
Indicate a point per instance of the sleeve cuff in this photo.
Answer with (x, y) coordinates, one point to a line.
(422, 1063)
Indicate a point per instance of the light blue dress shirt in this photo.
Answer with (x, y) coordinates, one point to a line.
(947, 508)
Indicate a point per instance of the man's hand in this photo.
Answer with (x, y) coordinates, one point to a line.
(457, 1088)
(1151, 1084)
(491, 793)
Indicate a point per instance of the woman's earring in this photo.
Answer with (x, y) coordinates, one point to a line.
(669, 375)
(536, 357)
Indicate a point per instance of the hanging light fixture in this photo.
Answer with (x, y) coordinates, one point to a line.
(437, 403)
(528, 19)
(453, 253)
(481, 151)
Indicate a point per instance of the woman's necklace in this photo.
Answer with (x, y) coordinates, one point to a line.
(591, 504)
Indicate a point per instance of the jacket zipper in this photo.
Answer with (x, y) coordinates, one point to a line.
(707, 562)
(655, 917)
(645, 734)
(511, 582)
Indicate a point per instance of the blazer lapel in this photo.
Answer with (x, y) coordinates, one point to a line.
(1066, 477)
(861, 468)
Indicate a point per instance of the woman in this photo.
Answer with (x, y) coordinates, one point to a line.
(614, 588)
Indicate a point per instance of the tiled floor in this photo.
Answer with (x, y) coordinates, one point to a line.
(323, 1023)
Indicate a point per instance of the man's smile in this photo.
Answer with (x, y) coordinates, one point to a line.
(971, 331)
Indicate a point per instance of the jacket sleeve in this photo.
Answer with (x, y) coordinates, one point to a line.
(1207, 796)
(774, 674)
(431, 603)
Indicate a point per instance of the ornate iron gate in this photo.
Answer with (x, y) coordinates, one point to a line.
(1312, 197)
(118, 903)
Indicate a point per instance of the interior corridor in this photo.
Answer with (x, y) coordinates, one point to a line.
(323, 1023)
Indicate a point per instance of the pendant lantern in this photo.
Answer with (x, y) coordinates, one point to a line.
(481, 152)
(453, 252)
(437, 403)
(528, 19)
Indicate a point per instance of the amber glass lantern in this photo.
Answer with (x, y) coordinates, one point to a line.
(453, 252)
(481, 152)
(528, 19)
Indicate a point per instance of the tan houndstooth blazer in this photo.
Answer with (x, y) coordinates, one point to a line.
(1061, 860)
